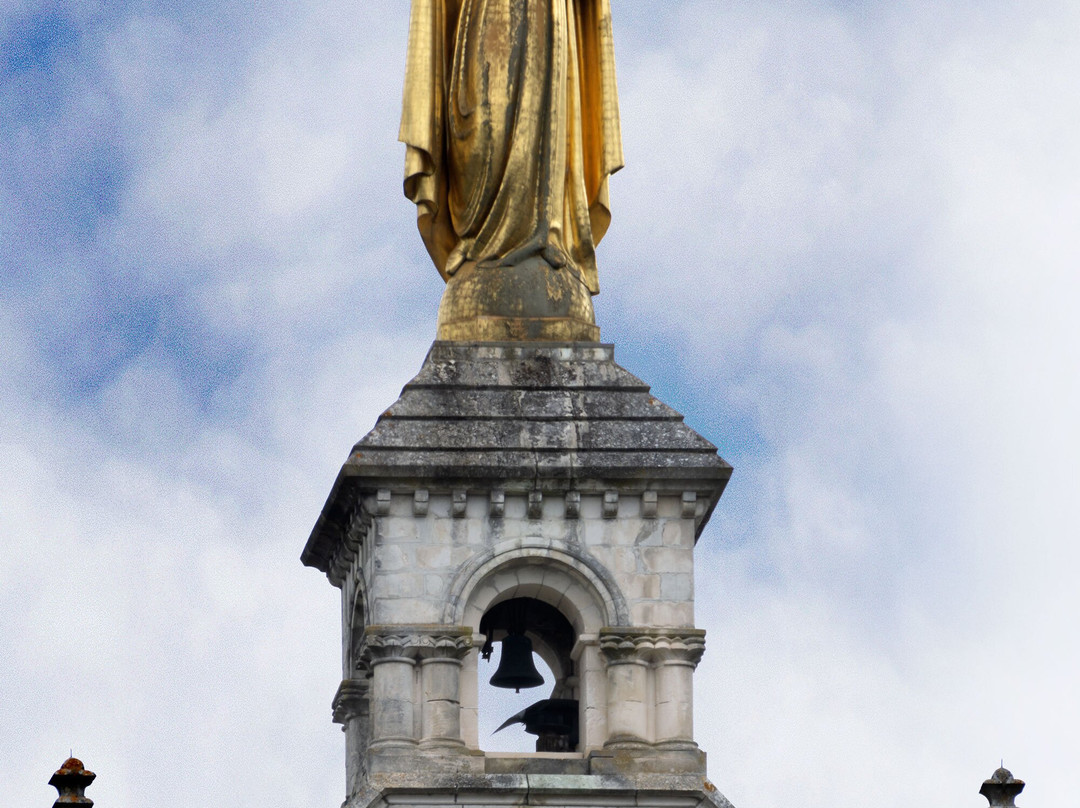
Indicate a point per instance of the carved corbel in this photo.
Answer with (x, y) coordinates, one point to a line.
(351, 700)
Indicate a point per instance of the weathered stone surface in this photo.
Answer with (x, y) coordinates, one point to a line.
(614, 788)
(535, 471)
(548, 417)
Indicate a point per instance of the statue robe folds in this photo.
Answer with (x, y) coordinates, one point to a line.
(511, 124)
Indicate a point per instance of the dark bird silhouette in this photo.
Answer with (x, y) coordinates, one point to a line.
(553, 721)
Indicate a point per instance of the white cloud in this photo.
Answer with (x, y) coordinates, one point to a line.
(852, 228)
(935, 430)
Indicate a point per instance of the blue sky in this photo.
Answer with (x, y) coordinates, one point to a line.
(844, 246)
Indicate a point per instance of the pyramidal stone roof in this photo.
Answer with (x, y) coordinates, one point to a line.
(522, 416)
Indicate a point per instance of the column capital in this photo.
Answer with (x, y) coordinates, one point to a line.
(415, 642)
(647, 645)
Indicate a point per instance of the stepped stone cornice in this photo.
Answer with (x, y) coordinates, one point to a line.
(553, 418)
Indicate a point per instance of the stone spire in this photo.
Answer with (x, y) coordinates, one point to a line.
(71, 780)
(1001, 789)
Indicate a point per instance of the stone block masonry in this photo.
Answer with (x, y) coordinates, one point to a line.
(521, 476)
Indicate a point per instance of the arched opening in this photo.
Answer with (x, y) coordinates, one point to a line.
(355, 623)
(584, 599)
(522, 636)
(579, 590)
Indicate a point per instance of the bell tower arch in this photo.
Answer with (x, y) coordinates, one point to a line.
(563, 603)
(538, 496)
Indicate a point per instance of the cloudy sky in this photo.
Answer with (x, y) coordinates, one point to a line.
(845, 246)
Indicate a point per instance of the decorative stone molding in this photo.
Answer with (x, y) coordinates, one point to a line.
(592, 591)
(649, 504)
(497, 504)
(357, 529)
(416, 642)
(459, 500)
(420, 502)
(536, 505)
(339, 570)
(689, 505)
(351, 700)
(382, 502)
(611, 504)
(357, 525)
(573, 504)
(683, 645)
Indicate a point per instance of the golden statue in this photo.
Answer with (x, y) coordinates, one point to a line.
(511, 123)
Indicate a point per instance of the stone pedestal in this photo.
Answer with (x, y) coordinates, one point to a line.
(540, 474)
(529, 301)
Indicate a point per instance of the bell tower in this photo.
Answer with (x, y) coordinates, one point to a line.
(533, 494)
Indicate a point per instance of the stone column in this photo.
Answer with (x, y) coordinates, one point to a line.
(390, 657)
(651, 685)
(352, 710)
(592, 693)
(627, 689)
(468, 688)
(441, 656)
(675, 656)
(402, 713)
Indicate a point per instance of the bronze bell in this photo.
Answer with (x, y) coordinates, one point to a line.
(516, 668)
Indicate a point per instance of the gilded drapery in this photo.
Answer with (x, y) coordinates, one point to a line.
(511, 125)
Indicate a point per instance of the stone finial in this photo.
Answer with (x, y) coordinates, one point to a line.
(1001, 789)
(71, 781)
